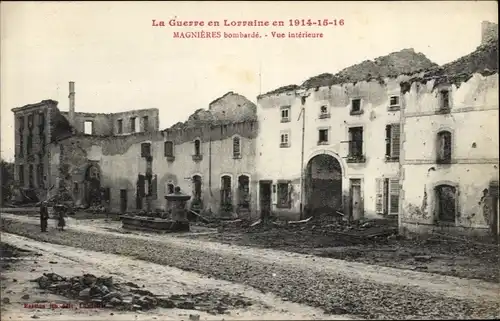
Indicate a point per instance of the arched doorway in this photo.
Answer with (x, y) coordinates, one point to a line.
(323, 185)
(93, 185)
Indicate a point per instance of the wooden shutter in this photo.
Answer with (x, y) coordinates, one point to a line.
(395, 140)
(145, 190)
(379, 197)
(290, 188)
(140, 185)
(274, 195)
(236, 147)
(154, 187)
(393, 196)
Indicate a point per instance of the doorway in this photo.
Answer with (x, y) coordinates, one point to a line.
(323, 185)
(92, 185)
(265, 199)
(494, 212)
(140, 191)
(123, 200)
(356, 200)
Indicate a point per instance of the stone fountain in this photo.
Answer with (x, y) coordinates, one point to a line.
(177, 223)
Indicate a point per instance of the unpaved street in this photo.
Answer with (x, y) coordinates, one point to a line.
(336, 286)
(64, 260)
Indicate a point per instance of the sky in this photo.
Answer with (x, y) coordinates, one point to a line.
(120, 62)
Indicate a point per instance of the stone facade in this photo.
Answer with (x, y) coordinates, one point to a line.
(123, 123)
(332, 114)
(450, 156)
(395, 137)
(137, 170)
(36, 126)
(489, 32)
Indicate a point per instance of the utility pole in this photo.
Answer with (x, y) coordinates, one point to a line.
(302, 114)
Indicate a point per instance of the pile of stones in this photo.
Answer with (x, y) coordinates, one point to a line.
(102, 292)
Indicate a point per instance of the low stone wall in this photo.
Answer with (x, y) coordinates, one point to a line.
(153, 224)
(15, 210)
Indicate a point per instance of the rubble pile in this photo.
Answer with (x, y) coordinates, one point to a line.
(8, 253)
(96, 209)
(331, 225)
(103, 292)
(310, 284)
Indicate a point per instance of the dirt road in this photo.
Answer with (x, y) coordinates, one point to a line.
(69, 261)
(334, 285)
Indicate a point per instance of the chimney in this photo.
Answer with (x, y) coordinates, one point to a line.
(71, 114)
(489, 32)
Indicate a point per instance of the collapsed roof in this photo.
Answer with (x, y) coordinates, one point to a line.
(227, 109)
(483, 60)
(406, 61)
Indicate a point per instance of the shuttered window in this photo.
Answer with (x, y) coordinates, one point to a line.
(154, 187)
(387, 196)
(379, 199)
(236, 147)
(393, 196)
(444, 147)
(147, 184)
(169, 149)
(393, 134)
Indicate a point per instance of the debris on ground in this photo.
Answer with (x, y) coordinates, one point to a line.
(96, 209)
(299, 283)
(422, 258)
(368, 241)
(9, 254)
(103, 292)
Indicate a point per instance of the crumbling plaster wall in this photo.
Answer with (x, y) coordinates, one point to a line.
(473, 122)
(118, 158)
(181, 170)
(120, 162)
(275, 163)
(489, 32)
(101, 123)
(153, 115)
(40, 154)
(233, 107)
(106, 124)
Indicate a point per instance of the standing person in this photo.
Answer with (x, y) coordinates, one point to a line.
(44, 216)
(60, 218)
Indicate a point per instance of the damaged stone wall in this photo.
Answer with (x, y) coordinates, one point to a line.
(101, 123)
(216, 159)
(45, 127)
(489, 32)
(153, 122)
(120, 162)
(275, 163)
(240, 108)
(117, 158)
(107, 124)
(473, 123)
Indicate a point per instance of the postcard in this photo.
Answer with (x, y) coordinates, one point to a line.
(238, 160)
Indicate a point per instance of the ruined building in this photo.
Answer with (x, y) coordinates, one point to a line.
(398, 136)
(449, 159)
(41, 129)
(124, 162)
(336, 138)
(36, 126)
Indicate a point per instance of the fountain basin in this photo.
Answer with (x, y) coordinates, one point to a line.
(149, 224)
